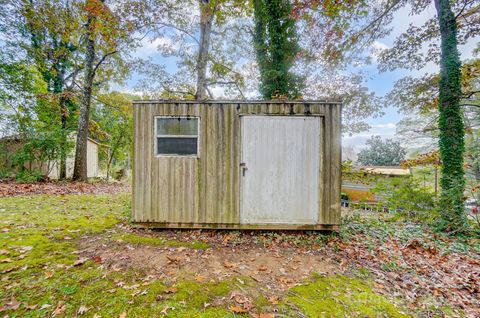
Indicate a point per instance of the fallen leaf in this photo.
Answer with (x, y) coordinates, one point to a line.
(80, 261)
(262, 267)
(6, 260)
(123, 315)
(164, 310)
(237, 309)
(59, 309)
(170, 290)
(228, 264)
(264, 315)
(273, 300)
(12, 305)
(82, 310)
(98, 259)
(173, 259)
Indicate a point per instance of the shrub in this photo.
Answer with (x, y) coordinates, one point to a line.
(29, 176)
(407, 197)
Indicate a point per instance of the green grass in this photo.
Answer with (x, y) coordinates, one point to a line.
(39, 237)
(132, 238)
(340, 296)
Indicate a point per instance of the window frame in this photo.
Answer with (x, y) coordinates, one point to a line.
(156, 136)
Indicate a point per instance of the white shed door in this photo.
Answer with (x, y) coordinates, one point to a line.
(280, 169)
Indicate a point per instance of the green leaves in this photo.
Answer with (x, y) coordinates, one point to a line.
(380, 152)
(276, 46)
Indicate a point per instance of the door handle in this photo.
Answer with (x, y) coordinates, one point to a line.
(244, 168)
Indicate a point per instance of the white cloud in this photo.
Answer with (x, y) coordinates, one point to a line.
(377, 48)
(149, 46)
(387, 125)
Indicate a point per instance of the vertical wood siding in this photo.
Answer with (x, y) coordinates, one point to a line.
(206, 190)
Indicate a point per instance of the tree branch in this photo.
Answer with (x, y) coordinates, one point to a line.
(470, 94)
(168, 25)
(473, 105)
(102, 60)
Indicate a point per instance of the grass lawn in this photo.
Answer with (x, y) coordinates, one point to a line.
(76, 255)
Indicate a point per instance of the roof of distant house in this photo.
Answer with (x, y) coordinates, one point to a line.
(386, 170)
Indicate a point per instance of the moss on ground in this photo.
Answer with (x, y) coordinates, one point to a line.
(339, 296)
(41, 275)
(41, 270)
(132, 238)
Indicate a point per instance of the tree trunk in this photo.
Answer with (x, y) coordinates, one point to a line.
(206, 21)
(80, 166)
(63, 142)
(451, 139)
(58, 89)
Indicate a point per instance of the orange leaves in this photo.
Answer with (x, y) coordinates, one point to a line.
(429, 158)
(15, 189)
(238, 309)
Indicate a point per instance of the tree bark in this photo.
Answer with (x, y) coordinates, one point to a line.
(80, 166)
(206, 21)
(451, 139)
(59, 84)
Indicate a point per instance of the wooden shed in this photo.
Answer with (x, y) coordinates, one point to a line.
(237, 164)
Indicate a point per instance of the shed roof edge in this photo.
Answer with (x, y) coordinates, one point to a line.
(333, 101)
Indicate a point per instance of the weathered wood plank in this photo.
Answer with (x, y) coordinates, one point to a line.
(238, 226)
(335, 164)
(185, 190)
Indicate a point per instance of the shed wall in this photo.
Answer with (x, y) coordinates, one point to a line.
(205, 191)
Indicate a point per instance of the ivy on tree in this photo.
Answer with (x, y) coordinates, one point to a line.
(450, 123)
(276, 47)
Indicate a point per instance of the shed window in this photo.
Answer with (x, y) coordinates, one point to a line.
(176, 136)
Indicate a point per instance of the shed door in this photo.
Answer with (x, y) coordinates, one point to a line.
(280, 169)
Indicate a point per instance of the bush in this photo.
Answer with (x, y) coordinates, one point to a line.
(407, 197)
(29, 176)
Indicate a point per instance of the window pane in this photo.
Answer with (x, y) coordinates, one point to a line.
(176, 146)
(177, 126)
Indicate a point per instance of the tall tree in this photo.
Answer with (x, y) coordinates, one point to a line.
(80, 166)
(451, 139)
(207, 38)
(380, 152)
(106, 35)
(48, 30)
(276, 44)
(440, 36)
(207, 15)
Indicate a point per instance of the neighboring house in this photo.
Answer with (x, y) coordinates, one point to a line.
(93, 168)
(50, 169)
(358, 191)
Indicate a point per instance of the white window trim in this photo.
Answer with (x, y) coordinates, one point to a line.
(156, 136)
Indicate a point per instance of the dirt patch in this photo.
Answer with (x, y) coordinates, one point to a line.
(425, 276)
(276, 269)
(9, 188)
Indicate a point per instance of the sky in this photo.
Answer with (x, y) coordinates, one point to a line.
(380, 83)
